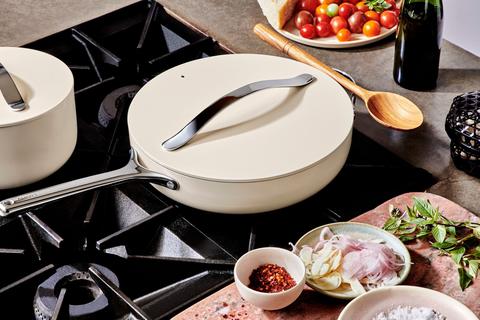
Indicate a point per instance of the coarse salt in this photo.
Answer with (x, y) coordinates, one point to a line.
(410, 313)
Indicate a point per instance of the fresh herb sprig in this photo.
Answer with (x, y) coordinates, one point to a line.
(378, 5)
(459, 240)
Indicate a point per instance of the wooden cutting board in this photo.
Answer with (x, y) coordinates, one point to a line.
(429, 270)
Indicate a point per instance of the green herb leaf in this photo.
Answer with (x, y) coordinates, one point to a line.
(422, 220)
(392, 224)
(423, 206)
(457, 254)
(405, 238)
(377, 5)
(473, 268)
(439, 233)
(452, 230)
(464, 278)
(443, 245)
(476, 232)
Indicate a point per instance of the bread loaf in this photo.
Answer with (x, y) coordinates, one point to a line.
(278, 12)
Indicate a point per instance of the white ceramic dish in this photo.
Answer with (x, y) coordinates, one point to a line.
(372, 303)
(255, 258)
(358, 231)
(358, 39)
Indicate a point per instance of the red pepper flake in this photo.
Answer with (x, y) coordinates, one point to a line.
(271, 278)
(225, 304)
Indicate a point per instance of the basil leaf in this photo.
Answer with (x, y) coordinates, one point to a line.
(424, 207)
(405, 238)
(439, 233)
(452, 230)
(473, 268)
(442, 245)
(457, 254)
(476, 232)
(464, 278)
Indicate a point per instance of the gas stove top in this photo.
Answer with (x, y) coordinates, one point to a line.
(129, 252)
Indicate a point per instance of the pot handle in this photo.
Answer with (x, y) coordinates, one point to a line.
(183, 136)
(132, 171)
(10, 91)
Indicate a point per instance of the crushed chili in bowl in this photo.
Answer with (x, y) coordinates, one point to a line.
(271, 278)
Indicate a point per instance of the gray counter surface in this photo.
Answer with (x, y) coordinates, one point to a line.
(231, 23)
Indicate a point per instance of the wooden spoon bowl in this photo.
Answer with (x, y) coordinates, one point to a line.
(389, 109)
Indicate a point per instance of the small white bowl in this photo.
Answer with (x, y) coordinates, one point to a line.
(281, 257)
(368, 305)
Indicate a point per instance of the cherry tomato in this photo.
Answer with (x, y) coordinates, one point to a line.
(330, 1)
(323, 29)
(302, 18)
(356, 22)
(388, 19)
(344, 35)
(397, 12)
(346, 9)
(332, 10)
(354, 2)
(361, 6)
(322, 18)
(371, 28)
(321, 9)
(309, 5)
(338, 23)
(372, 15)
(308, 31)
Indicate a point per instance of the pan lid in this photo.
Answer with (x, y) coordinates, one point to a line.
(41, 80)
(265, 135)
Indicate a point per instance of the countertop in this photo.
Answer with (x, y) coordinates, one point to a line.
(231, 23)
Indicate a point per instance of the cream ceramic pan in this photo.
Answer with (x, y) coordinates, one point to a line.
(265, 151)
(39, 139)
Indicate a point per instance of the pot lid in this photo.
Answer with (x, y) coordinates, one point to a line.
(267, 134)
(42, 80)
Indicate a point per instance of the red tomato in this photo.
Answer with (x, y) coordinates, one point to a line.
(323, 29)
(354, 2)
(372, 15)
(356, 22)
(361, 6)
(388, 19)
(308, 31)
(309, 5)
(346, 9)
(371, 28)
(397, 12)
(322, 18)
(302, 18)
(338, 23)
(344, 35)
(327, 2)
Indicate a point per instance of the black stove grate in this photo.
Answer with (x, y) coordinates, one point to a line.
(166, 256)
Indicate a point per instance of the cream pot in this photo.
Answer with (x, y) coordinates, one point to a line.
(38, 128)
(265, 151)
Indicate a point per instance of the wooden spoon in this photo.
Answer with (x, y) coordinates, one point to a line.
(389, 109)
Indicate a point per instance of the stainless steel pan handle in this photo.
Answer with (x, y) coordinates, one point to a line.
(10, 91)
(132, 171)
(188, 132)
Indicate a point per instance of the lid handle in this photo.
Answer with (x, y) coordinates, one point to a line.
(190, 130)
(10, 91)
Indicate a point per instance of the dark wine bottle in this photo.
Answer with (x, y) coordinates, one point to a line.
(417, 47)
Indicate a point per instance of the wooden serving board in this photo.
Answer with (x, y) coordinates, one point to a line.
(429, 270)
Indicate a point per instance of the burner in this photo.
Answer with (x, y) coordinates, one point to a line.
(84, 298)
(108, 108)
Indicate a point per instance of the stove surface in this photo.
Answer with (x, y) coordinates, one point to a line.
(162, 256)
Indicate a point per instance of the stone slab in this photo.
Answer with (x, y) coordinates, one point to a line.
(429, 270)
